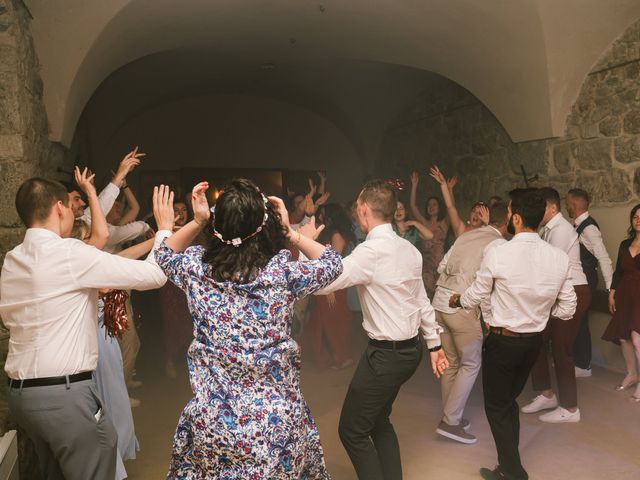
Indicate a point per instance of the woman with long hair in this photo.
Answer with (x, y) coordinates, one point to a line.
(248, 418)
(624, 304)
(411, 230)
(437, 222)
(328, 334)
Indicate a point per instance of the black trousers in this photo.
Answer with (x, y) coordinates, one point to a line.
(506, 363)
(365, 429)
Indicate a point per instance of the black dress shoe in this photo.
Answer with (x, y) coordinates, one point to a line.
(494, 474)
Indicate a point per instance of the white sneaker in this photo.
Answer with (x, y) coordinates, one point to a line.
(583, 372)
(560, 415)
(540, 403)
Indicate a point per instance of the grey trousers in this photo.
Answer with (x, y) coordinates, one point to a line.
(462, 343)
(70, 442)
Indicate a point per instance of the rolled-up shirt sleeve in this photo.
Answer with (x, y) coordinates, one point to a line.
(566, 303)
(482, 286)
(106, 199)
(591, 238)
(358, 269)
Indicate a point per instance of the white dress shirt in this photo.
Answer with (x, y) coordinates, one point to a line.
(119, 234)
(387, 271)
(49, 301)
(591, 238)
(561, 234)
(527, 280)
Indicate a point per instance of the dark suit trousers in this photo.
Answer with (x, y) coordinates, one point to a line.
(365, 429)
(561, 334)
(506, 363)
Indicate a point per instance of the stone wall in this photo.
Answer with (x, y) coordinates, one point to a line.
(600, 151)
(25, 151)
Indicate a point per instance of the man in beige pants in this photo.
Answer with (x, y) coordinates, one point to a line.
(462, 333)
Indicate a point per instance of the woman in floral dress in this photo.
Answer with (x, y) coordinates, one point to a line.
(248, 419)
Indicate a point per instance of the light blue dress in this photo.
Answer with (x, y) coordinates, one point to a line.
(109, 377)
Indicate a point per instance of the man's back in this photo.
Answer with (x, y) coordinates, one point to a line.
(524, 278)
(49, 301)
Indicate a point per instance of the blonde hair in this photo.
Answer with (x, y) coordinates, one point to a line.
(81, 230)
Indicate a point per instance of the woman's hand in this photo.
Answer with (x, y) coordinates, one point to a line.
(163, 207)
(484, 214)
(84, 179)
(415, 179)
(282, 211)
(309, 230)
(437, 175)
(199, 203)
(452, 182)
(612, 301)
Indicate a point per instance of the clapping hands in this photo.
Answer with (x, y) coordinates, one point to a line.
(200, 204)
(163, 207)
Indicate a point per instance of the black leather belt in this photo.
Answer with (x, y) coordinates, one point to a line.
(392, 345)
(48, 381)
(505, 332)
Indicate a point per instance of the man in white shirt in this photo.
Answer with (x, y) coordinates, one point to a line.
(387, 271)
(526, 280)
(592, 253)
(559, 334)
(461, 329)
(48, 301)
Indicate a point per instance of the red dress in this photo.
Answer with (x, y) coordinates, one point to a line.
(626, 282)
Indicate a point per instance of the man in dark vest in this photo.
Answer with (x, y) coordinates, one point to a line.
(592, 254)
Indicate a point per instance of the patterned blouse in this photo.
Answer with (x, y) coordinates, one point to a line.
(248, 418)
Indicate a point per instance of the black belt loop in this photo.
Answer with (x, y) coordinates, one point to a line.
(66, 378)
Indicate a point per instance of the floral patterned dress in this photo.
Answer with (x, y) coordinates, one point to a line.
(248, 419)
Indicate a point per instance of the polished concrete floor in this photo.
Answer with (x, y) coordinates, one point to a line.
(604, 445)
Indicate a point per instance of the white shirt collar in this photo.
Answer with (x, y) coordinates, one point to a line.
(581, 218)
(40, 233)
(557, 218)
(380, 231)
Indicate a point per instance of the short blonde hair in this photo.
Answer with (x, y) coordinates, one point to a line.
(381, 198)
(81, 229)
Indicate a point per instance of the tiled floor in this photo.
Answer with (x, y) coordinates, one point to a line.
(604, 445)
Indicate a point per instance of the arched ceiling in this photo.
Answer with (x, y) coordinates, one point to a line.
(524, 59)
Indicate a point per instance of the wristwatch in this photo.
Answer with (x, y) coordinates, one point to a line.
(435, 349)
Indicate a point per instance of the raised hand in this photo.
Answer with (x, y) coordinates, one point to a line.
(163, 207)
(128, 163)
(483, 212)
(309, 230)
(452, 182)
(322, 175)
(437, 175)
(282, 210)
(199, 203)
(415, 179)
(323, 199)
(84, 180)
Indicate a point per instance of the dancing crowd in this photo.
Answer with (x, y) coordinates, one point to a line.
(253, 285)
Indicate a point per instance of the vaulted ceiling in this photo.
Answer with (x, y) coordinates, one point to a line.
(356, 62)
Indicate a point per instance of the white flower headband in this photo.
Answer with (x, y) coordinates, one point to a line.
(236, 242)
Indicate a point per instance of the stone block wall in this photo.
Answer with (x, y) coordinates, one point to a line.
(600, 151)
(25, 151)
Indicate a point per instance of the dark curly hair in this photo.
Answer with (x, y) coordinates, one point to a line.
(239, 212)
(631, 233)
(335, 219)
